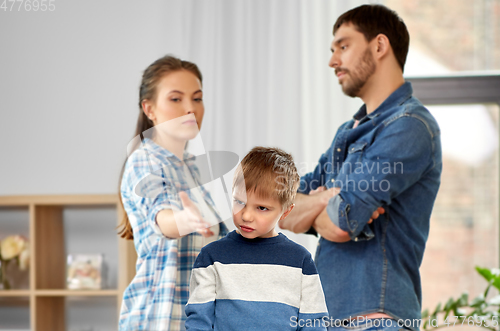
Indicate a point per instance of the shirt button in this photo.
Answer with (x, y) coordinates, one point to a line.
(356, 239)
(338, 150)
(332, 180)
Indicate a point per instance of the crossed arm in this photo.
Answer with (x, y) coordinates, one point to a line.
(310, 211)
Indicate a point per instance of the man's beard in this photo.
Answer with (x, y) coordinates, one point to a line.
(359, 75)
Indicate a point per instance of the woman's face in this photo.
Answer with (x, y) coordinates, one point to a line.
(178, 109)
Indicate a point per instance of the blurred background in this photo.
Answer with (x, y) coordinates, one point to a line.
(69, 83)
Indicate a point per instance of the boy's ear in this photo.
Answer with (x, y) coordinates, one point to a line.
(285, 214)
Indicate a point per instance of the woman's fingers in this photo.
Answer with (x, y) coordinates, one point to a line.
(193, 217)
(186, 202)
(205, 232)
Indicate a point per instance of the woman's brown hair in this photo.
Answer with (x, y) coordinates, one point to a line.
(148, 91)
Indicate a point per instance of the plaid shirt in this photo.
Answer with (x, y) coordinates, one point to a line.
(156, 297)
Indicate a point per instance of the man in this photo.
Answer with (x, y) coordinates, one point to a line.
(384, 164)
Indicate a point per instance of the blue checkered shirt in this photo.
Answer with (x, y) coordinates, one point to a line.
(156, 297)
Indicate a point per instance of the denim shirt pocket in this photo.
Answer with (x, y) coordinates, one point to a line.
(357, 147)
(354, 156)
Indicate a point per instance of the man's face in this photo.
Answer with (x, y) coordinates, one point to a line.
(352, 60)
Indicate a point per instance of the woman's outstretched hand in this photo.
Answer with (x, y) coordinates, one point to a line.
(174, 223)
(189, 219)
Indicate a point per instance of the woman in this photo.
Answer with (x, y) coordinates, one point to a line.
(162, 208)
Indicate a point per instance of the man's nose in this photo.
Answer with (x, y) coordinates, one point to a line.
(334, 61)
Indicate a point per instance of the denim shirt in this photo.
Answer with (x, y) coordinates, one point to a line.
(392, 159)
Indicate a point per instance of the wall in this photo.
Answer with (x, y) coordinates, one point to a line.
(68, 91)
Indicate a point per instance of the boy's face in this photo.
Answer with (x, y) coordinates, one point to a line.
(255, 217)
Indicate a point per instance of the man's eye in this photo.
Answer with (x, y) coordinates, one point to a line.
(343, 47)
(262, 208)
(198, 99)
(175, 99)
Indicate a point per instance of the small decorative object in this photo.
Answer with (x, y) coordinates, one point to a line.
(13, 248)
(84, 271)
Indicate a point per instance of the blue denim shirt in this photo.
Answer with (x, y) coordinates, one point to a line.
(392, 159)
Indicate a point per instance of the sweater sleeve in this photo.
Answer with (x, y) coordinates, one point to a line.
(312, 310)
(200, 309)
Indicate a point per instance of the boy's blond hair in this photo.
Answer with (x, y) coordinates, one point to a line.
(269, 173)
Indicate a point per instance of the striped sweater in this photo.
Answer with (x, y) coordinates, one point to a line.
(255, 284)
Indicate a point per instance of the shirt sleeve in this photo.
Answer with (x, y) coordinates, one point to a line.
(315, 178)
(397, 159)
(312, 310)
(151, 191)
(200, 309)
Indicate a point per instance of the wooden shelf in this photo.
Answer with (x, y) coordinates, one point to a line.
(83, 293)
(47, 297)
(61, 200)
(15, 293)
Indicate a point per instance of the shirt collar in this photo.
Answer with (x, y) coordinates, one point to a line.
(153, 147)
(403, 93)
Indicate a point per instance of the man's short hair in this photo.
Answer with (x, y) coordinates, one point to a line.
(372, 20)
(269, 173)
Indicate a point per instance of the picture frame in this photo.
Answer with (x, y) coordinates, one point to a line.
(84, 271)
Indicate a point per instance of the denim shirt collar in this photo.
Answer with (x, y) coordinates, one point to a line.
(402, 93)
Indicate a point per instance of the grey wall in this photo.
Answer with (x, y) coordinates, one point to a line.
(68, 90)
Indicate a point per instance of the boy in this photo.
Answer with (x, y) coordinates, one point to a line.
(255, 278)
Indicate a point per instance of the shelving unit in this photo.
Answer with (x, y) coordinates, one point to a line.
(48, 227)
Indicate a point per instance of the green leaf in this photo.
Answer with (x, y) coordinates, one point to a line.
(486, 273)
(491, 275)
(449, 306)
(425, 313)
(478, 301)
(437, 310)
(495, 301)
(463, 300)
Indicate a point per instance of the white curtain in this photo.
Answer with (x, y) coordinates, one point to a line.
(69, 83)
(266, 75)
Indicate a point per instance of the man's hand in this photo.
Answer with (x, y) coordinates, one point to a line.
(376, 214)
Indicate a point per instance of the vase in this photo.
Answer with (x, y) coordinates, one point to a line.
(4, 281)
